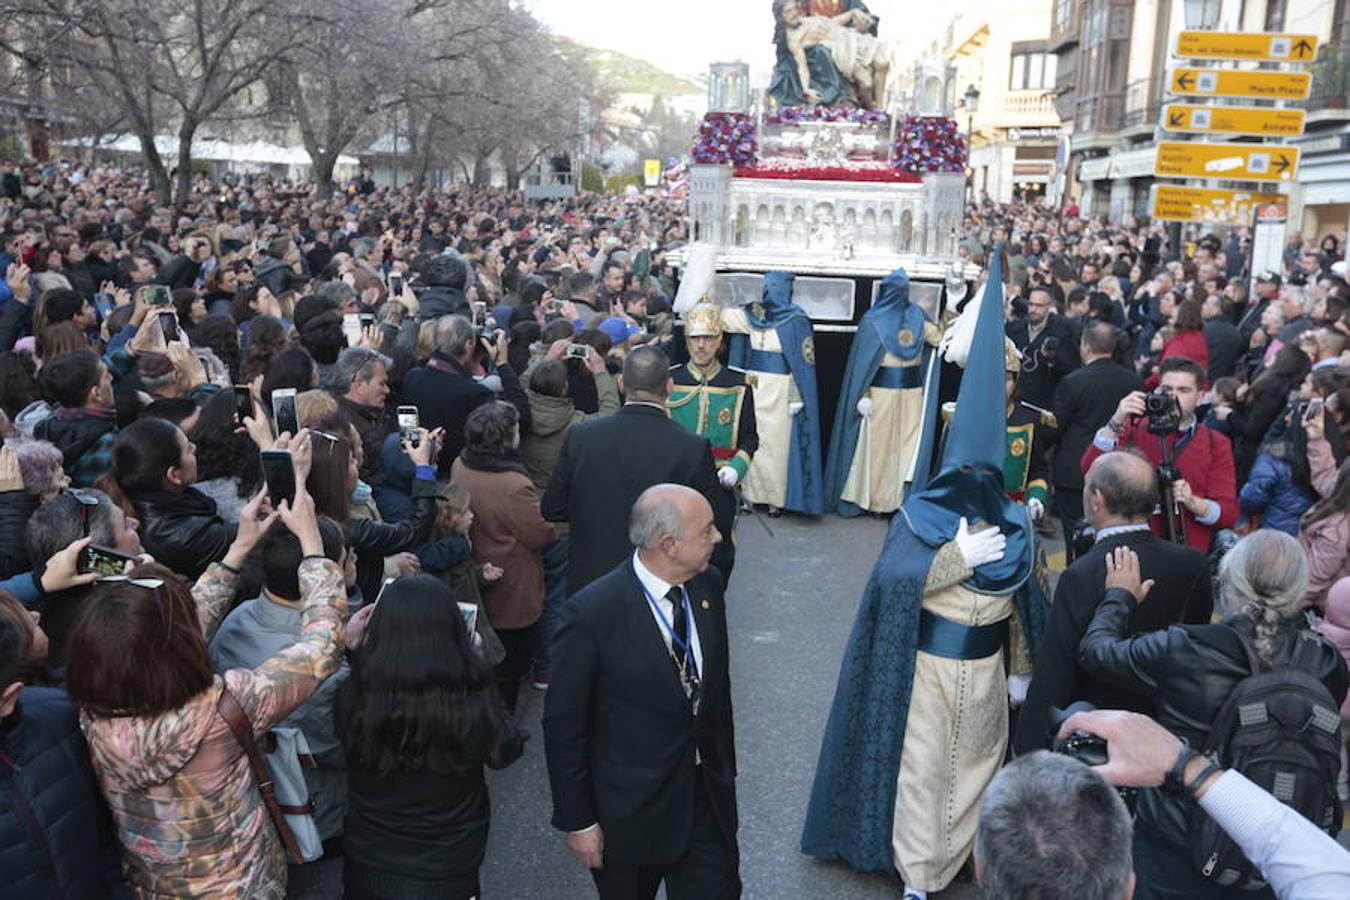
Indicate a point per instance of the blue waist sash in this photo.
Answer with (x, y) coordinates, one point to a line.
(768, 362)
(952, 640)
(898, 377)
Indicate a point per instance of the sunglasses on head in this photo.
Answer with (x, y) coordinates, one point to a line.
(88, 503)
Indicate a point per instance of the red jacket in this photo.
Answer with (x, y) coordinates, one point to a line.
(1190, 344)
(1206, 462)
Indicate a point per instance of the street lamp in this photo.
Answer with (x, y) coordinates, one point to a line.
(972, 100)
(1203, 14)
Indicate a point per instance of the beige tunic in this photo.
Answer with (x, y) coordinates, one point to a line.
(766, 482)
(955, 737)
(888, 439)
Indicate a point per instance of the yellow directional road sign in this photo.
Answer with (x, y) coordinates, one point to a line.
(1207, 205)
(1265, 85)
(1240, 45)
(1235, 162)
(1257, 120)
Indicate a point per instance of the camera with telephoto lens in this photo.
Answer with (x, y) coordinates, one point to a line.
(1087, 748)
(1163, 411)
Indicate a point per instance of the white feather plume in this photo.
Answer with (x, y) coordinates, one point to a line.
(697, 278)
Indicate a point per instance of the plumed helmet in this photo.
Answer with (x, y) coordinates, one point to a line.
(704, 320)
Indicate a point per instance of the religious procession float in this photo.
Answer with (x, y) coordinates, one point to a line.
(827, 178)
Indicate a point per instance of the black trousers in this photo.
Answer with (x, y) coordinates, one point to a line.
(708, 870)
(518, 643)
(1069, 508)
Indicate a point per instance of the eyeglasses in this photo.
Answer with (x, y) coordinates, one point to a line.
(88, 503)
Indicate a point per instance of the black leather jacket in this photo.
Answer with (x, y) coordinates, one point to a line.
(182, 530)
(372, 541)
(1189, 670)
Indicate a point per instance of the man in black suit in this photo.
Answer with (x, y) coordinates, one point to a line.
(1222, 338)
(1084, 400)
(1121, 492)
(637, 724)
(606, 463)
(1048, 345)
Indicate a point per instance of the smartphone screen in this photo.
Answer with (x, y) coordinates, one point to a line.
(395, 284)
(479, 312)
(102, 560)
(283, 411)
(168, 324)
(351, 328)
(157, 295)
(243, 402)
(470, 613)
(279, 473)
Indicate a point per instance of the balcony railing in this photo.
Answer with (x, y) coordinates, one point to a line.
(1027, 108)
(1142, 106)
(1103, 112)
(1331, 80)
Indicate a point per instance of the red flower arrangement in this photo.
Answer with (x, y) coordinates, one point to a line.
(792, 115)
(726, 138)
(796, 170)
(929, 144)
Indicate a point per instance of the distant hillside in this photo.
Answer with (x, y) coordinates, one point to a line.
(629, 75)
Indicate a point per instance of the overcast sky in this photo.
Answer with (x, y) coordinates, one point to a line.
(686, 36)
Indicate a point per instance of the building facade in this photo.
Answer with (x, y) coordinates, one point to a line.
(1112, 63)
(1001, 50)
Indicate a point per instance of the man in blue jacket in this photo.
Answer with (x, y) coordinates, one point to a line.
(56, 837)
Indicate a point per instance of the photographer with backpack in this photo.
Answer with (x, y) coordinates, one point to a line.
(1257, 692)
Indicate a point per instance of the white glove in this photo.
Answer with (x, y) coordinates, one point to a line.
(865, 407)
(1017, 688)
(984, 547)
(728, 476)
(1036, 508)
(795, 407)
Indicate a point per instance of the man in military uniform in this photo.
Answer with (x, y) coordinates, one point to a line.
(713, 400)
(1026, 468)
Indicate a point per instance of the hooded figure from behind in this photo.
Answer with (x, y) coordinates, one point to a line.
(919, 726)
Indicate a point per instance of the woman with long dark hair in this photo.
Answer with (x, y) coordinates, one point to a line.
(1266, 399)
(419, 718)
(333, 478)
(228, 469)
(189, 817)
(153, 469)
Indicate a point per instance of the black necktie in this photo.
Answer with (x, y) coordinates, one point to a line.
(681, 625)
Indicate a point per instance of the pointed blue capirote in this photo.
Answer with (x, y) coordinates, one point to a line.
(977, 435)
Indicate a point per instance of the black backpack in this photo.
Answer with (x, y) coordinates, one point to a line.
(1281, 729)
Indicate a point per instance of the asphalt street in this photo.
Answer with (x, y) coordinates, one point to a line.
(790, 607)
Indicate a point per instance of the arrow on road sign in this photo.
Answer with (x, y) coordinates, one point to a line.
(1260, 121)
(1241, 45)
(1263, 84)
(1238, 162)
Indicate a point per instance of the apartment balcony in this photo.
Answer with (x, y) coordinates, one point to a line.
(1025, 109)
(1330, 86)
(1065, 19)
(1142, 105)
(1100, 113)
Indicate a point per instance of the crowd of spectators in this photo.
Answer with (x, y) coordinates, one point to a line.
(383, 616)
(148, 357)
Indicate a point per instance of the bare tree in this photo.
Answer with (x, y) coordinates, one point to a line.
(162, 62)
